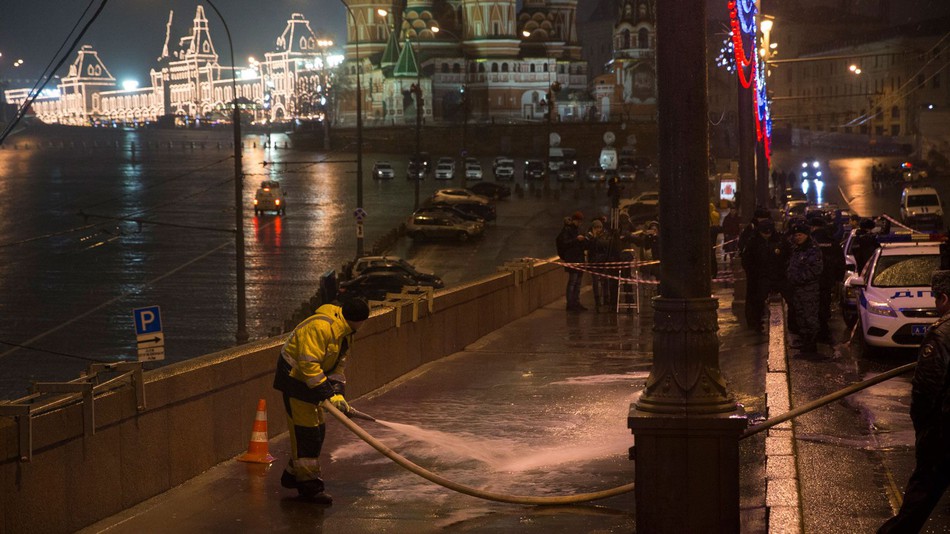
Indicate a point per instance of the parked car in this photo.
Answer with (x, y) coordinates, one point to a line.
(921, 208)
(415, 171)
(491, 190)
(646, 198)
(502, 161)
(440, 225)
(269, 197)
(505, 172)
(533, 170)
(456, 195)
(486, 212)
(396, 263)
(627, 173)
(596, 174)
(473, 171)
(444, 171)
(448, 209)
(567, 173)
(446, 160)
(896, 305)
(383, 170)
(375, 285)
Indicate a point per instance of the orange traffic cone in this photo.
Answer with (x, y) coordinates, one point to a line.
(257, 449)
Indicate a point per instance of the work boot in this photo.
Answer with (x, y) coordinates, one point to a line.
(316, 498)
(288, 480)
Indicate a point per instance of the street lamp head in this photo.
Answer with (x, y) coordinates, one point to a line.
(525, 33)
(382, 12)
(434, 29)
(766, 26)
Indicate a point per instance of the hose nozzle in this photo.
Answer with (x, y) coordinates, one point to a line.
(356, 414)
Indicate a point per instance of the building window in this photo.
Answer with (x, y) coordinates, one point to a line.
(532, 68)
(456, 68)
(481, 67)
(626, 39)
(643, 38)
(545, 68)
(895, 112)
(473, 68)
(504, 67)
(445, 68)
(895, 129)
(494, 67)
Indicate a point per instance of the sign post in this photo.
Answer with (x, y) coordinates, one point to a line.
(148, 333)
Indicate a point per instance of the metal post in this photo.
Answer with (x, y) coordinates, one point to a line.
(241, 335)
(746, 118)
(417, 89)
(686, 423)
(359, 131)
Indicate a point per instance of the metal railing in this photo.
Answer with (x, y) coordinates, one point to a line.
(48, 396)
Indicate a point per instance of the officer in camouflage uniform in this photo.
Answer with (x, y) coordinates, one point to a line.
(930, 412)
(803, 275)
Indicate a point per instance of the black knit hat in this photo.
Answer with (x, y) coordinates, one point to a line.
(355, 309)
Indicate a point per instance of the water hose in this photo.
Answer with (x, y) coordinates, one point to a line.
(461, 488)
(831, 397)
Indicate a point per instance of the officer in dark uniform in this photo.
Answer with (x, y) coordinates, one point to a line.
(930, 412)
(832, 274)
(803, 275)
(865, 242)
(757, 263)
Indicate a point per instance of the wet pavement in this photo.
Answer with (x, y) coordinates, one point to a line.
(536, 408)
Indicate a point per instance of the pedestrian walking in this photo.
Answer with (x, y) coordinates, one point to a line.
(757, 263)
(832, 273)
(598, 253)
(310, 370)
(930, 413)
(803, 276)
(731, 226)
(571, 246)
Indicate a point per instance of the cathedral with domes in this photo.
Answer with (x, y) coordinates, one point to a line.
(474, 60)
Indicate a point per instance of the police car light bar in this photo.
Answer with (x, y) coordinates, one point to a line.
(912, 237)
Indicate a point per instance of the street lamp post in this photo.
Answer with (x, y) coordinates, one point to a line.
(416, 90)
(686, 417)
(359, 135)
(761, 158)
(463, 100)
(552, 111)
(241, 335)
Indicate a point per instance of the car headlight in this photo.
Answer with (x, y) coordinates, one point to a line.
(881, 308)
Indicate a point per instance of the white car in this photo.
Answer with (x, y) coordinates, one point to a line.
(646, 198)
(444, 171)
(894, 302)
(269, 197)
(505, 172)
(921, 208)
(473, 171)
(457, 195)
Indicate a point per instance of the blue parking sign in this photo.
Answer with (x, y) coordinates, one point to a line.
(147, 320)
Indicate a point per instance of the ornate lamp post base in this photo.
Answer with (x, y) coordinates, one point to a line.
(687, 426)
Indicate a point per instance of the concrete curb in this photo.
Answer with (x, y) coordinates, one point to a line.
(782, 496)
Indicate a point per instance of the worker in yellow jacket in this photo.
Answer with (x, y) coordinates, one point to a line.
(310, 370)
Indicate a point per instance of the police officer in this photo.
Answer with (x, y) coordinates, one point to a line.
(756, 262)
(309, 371)
(865, 242)
(832, 274)
(803, 275)
(930, 412)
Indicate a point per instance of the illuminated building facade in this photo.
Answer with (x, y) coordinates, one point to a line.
(190, 84)
(474, 59)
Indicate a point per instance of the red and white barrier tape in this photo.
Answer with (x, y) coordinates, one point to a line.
(593, 270)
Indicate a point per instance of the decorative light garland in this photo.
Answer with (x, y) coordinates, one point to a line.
(743, 25)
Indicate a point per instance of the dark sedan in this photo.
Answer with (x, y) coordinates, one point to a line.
(485, 211)
(450, 210)
(491, 190)
(375, 285)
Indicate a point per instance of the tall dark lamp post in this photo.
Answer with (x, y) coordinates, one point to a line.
(552, 111)
(241, 335)
(463, 96)
(359, 134)
(416, 90)
(686, 423)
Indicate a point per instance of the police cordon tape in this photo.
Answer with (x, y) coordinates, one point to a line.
(596, 269)
(904, 226)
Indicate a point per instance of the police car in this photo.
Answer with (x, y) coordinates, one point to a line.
(894, 302)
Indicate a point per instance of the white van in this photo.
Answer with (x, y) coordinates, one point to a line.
(921, 208)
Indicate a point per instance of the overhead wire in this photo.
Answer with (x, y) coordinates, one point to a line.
(43, 80)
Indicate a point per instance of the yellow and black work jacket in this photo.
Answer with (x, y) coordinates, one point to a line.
(312, 361)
